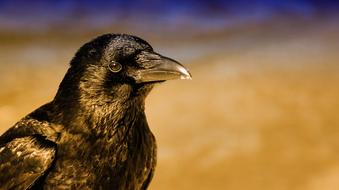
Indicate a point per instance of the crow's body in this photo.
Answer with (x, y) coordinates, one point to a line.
(94, 134)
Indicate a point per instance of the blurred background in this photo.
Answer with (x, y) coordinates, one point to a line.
(260, 113)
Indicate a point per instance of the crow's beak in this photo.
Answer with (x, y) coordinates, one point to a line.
(159, 68)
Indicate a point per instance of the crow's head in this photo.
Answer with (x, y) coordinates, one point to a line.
(116, 67)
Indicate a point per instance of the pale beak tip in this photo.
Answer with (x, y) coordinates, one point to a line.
(186, 75)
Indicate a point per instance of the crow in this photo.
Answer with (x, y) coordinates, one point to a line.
(94, 133)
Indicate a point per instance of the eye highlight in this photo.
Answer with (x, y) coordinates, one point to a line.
(114, 66)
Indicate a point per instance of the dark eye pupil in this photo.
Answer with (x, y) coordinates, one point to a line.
(114, 66)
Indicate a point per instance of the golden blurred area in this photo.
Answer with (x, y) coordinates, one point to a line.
(260, 113)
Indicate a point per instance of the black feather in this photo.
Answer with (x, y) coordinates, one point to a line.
(94, 134)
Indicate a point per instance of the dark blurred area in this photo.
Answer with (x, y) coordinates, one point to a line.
(152, 15)
(260, 112)
(97, 14)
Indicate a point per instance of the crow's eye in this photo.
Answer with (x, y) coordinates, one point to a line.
(114, 66)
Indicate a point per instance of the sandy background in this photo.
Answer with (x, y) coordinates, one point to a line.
(260, 113)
